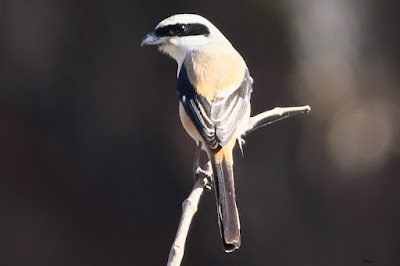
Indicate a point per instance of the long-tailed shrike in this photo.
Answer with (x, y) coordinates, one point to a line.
(214, 88)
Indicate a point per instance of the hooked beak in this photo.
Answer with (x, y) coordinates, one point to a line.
(152, 39)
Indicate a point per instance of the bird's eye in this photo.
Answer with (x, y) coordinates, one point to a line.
(178, 29)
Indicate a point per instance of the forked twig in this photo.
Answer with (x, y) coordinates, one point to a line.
(189, 205)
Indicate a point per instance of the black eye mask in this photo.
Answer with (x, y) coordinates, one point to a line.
(182, 30)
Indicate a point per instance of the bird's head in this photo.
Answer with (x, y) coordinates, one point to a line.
(180, 34)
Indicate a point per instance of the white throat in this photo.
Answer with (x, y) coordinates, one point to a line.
(176, 52)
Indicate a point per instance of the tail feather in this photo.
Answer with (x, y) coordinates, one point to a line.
(228, 215)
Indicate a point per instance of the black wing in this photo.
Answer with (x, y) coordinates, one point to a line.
(216, 119)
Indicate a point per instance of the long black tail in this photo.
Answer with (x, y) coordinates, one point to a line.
(228, 215)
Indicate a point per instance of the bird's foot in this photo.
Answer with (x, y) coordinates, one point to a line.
(199, 172)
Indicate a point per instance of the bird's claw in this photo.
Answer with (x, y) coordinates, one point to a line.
(204, 173)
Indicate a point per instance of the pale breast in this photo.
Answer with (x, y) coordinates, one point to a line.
(188, 124)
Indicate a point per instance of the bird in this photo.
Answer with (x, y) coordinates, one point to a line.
(214, 88)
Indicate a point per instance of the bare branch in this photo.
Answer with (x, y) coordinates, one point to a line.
(271, 116)
(189, 206)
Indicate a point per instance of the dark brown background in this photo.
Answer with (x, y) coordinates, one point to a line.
(94, 163)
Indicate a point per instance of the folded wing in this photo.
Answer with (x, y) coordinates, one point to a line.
(215, 119)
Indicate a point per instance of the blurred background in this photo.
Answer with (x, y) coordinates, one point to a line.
(94, 163)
